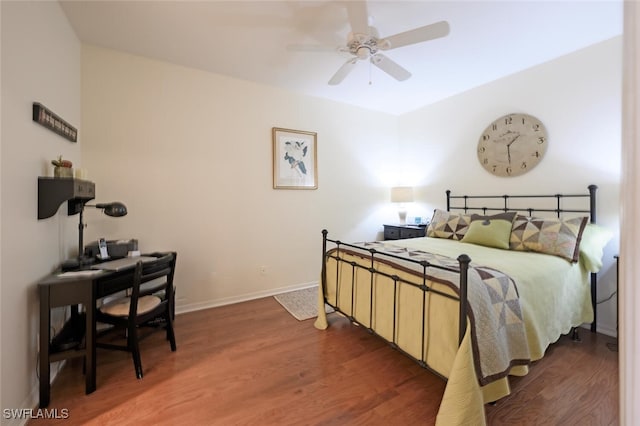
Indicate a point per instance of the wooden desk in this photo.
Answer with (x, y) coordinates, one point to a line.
(56, 291)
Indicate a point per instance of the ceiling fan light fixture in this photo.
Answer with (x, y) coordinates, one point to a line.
(363, 52)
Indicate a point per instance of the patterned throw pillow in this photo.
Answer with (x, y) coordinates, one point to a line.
(490, 231)
(559, 237)
(448, 225)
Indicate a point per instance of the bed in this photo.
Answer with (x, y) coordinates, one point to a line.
(481, 297)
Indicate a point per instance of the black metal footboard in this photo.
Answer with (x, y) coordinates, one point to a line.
(375, 257)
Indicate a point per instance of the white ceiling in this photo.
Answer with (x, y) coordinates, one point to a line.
(248, 40)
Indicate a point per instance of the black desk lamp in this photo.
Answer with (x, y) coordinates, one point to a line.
(114, 209)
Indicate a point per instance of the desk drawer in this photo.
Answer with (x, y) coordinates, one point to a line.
(66, 293)
(411, 232)
(391, 233)
(114, 283)
(399, 232)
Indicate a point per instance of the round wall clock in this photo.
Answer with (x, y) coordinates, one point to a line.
(512, 145)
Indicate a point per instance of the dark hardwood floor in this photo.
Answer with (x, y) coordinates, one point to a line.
(254, 364)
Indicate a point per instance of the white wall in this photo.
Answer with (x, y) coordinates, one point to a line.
(190, 154)
(40, 62)
(577, 97)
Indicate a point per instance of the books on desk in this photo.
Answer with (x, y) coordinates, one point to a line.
(123, 263)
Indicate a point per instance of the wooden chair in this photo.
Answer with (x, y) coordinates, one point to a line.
(162, 294)
(142, 307)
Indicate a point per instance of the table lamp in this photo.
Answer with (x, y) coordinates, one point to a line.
(401, 195)
(113, 209)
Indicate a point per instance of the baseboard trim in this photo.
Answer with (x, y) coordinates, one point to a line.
(603, 329)
(192, 307)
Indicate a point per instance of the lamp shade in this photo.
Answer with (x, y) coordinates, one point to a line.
(115, 209)
(401, 194)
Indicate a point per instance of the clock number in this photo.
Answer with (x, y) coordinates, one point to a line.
(536, 127)
(523, 120)
(508, 120)
(493, 168)
(494, 126)
(481, 150)
(524, 165)
(509, 171)
(486, 161)
(540, 140)
(486, 137)
(536, 154)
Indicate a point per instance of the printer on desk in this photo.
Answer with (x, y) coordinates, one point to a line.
(115, 248)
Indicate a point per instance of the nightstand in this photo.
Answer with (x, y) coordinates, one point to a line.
(400, 232)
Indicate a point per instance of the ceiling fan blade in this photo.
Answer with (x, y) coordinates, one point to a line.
(312, 48)
(344, 70)
(417, 35)
(358, 16)
(390, 67)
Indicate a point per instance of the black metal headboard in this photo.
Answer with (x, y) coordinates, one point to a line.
(505, 203)
(502, 203)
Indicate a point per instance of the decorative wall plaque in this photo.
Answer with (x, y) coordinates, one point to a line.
(45, 117)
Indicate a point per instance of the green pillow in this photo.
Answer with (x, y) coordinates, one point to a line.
(594, 239)
(490, 231)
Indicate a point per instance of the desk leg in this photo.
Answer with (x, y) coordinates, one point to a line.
(90, 342)
(45, 329)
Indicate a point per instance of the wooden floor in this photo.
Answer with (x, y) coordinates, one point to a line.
(254, 364)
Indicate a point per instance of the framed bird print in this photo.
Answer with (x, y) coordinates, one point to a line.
(295, 163)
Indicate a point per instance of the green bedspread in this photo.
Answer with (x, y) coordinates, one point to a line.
(554, 293)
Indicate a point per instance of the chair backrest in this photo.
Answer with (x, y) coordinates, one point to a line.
(161, 271)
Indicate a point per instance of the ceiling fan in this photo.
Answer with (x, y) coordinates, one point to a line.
(364, 43)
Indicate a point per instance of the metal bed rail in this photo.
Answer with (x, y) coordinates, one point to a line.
(373, 257)
(506, 207)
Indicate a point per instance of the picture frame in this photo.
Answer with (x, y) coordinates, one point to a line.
(295, 161)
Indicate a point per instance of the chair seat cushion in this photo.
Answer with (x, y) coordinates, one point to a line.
(120, 307)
